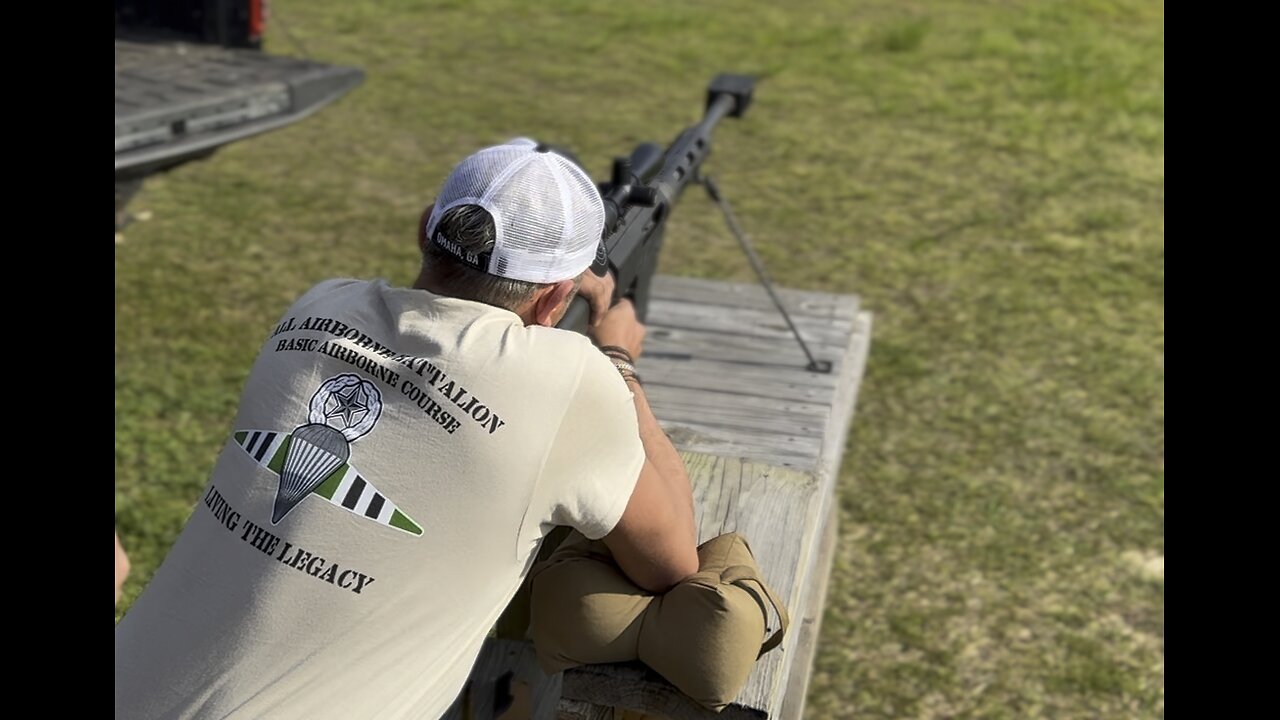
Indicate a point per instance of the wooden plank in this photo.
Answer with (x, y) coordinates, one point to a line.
(746, 311)
(713, 358)
(675, 397)
(795, 461)
(797, 418)
(810, 427)
(736, 380)
(776, 355)
(800, 452)
(731, 495)
(757, 331)
(809, 625)
(854, 362)
(725, 375)
(635, 687)
(507, 665)
(835, 312)
(761, 429)
(760, 324)
(716, 292)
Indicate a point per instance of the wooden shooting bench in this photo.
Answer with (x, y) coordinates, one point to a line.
(762, 437)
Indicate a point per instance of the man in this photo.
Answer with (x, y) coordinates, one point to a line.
(122, 568)
(397, 457)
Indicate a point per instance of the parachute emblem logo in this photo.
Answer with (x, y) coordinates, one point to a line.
(313, 459)
(347, 404)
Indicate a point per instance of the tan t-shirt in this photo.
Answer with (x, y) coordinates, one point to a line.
(395, 462)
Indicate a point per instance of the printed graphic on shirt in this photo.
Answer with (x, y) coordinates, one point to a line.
(313, 459)
(434, 395)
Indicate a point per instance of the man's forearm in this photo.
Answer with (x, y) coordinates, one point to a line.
(664, 458)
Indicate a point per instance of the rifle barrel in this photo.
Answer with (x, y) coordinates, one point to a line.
(633, 232)
(689, 149)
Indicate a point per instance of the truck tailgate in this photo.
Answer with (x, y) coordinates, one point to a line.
(176, 101)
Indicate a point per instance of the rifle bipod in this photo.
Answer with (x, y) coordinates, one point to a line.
(815, 365)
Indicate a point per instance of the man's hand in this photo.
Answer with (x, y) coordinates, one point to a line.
(599, 292)
(620, 327)
(122, 567)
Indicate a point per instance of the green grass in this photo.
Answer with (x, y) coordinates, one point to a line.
(989, 177)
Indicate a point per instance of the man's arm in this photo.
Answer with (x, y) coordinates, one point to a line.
(122, 567)
(655, 542)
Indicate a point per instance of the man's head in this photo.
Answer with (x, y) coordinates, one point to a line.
(513, 227)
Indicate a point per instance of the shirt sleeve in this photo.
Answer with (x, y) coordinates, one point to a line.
(597, 455)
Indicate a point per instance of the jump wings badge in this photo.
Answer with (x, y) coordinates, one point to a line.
(313, 459)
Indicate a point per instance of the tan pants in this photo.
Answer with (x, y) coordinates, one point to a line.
(704, 635)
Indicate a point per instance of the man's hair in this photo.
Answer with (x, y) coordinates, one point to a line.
(471, 227)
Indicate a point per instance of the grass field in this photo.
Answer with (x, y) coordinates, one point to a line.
(988, 176)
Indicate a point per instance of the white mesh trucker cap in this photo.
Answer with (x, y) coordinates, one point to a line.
(548, 214)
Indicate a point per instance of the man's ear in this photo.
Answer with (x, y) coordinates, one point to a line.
(547, 305)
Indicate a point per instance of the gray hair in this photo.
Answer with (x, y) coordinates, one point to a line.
(472, 227)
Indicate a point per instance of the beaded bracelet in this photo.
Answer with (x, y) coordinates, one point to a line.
(627, 371)
(613, 351)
